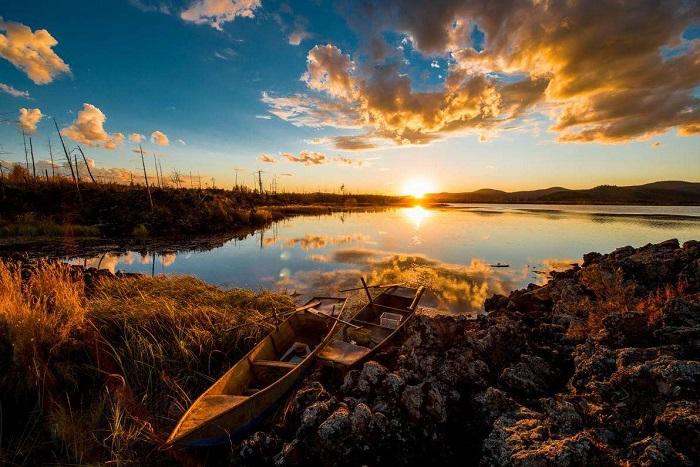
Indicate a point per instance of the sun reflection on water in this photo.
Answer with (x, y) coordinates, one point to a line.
(417, 214)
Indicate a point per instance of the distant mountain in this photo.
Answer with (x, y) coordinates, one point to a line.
(663, 192)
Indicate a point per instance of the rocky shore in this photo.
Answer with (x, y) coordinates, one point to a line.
(598, 367)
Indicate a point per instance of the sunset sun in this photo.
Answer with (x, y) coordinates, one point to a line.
(417, 187)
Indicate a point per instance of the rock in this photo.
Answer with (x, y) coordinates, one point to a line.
(600, 366)
(333, 432)
(680, 423)
(412, 401)
(372, 373)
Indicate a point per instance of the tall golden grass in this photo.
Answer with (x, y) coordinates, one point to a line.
(101, 374)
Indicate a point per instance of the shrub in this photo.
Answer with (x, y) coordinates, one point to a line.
(140, 231)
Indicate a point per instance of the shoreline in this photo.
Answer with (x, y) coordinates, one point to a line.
(543, 359)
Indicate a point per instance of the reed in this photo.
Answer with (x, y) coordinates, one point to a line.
(100, 374)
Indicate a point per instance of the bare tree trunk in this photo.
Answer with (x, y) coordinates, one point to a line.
(86, 164)
(65, 151)
(143, 162)
(53, 168)
(31, 150)
(26, 155)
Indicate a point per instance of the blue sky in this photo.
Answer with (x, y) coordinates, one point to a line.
(148, 70)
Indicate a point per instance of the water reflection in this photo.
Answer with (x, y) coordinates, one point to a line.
(448, 250)
(416, 214)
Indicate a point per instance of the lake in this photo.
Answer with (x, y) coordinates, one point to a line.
(453, 249)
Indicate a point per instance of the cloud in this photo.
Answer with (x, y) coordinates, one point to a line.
(136, 137)
(656, 144)
(225, 54)
(598, 77)
(329, 70)
(307, 158)
(28, 119)
(216, 13)
(6, 88)
(181, 141)
(267, 158)
(263, 117)
(304, 110)
(351, 162)
(31, 52)
(159, 138)
(60, 169)
(298, 35)
(150, 6)
(88, 128)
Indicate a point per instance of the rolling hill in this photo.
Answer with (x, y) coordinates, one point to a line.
(662, 192)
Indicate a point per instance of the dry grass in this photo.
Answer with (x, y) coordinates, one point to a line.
(101, 376)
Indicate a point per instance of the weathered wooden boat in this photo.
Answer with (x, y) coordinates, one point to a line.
(254, 386)
(372, 328)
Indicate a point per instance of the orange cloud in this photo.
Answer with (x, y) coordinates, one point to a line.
(307, 158)
(136, 137)
(267, 158)
(88, 128)
(159, 138)
(216, 13)
(601, 74)
(31, 52)
(7, 89)
(28, 119)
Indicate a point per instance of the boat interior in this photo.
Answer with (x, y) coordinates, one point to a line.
(276, 355)
(381, 317)
(372, 325)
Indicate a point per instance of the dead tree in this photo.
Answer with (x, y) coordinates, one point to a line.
(31, 150)
(86, 164)
(145, 176)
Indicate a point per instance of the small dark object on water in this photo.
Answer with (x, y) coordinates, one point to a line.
(500, 265)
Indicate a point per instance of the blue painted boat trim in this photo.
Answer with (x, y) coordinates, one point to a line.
(236, 434)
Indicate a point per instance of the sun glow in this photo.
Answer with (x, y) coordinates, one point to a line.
(416, 214)
(417, 187)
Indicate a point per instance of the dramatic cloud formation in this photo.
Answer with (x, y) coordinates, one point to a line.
(307, 158)
(216, 13)
(267, 158)
(304, 110)
(88, 128)
(28, 119)
(329, 70)
(6, 88)
(31, 52)
(605, 72)
(159, 138)
(136, 138)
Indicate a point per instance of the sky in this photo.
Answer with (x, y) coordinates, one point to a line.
(381, 96)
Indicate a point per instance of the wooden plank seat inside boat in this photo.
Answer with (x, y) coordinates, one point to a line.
(343, 353)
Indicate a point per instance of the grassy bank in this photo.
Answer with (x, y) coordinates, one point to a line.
(98, 371)
(114, 210)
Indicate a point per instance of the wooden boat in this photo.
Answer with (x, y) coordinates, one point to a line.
(251, 389)
(372, 327)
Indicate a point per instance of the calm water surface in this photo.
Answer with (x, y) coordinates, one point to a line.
(449, 249)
